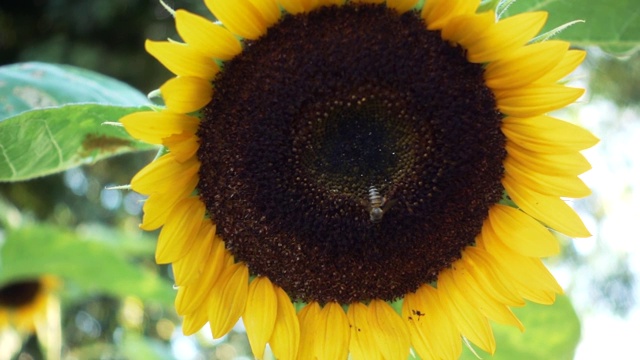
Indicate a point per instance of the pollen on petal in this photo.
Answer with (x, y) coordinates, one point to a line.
(362, 343)
(433, 334)
(210, 39)
(182, 60)
(228, 299)
(259, 316)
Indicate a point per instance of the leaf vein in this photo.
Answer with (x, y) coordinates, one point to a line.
(6, 157)
(55, 143)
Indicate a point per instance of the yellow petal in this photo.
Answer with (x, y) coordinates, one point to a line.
(333, 333)
(185, 94)
(188, 269)
(211, 39)
(191, 297)
(330, 2)
(402, 6)
(467, 28)
(152, 126)
(505, 37)
(165, 174)
(309, 318)
(433, 335)
(480, 265)
(158, 206)
(561, 186)
(480, 298)
(182, 60)
(260, 314)
(298, 6)
(559, 164)
(521, 233)
(362, 343)
(535, 99)
(468, 319)
(547, 135)
(413, 314)
(228, 299)
(182, 146)
(178, 233)
(437, 13)
(285, 338)
(368, 1)
(529, 275)
(269, 10)
(193, 322)
(239, 16)
(550, 210)
(525, 65)
(391, 334)
(569, 62)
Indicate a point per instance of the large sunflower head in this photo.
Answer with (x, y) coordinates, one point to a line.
(23, 303)
(343, 155)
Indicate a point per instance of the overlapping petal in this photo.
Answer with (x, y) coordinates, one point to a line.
(502, 269)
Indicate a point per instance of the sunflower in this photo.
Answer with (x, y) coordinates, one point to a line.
(328, 158)
(23, 303)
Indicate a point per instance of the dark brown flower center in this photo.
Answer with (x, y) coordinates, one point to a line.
(18, 294)
(350, 154)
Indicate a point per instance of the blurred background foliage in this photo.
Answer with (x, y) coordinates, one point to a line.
(107, 321)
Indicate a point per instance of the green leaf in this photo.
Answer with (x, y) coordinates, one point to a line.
(612, 25)
(551, 332)
(46, 141)
(92, 265)
(34, 85)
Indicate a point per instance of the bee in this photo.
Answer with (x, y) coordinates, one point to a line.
(376, 203)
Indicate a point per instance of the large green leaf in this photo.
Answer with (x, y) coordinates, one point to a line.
(94, 266)
(34, 85)
(551, 332)
(50, 140)
(612, 25)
